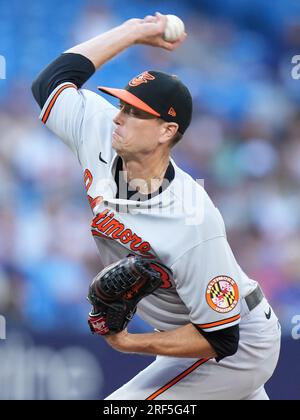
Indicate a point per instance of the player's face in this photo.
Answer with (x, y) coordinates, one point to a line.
(136, 131)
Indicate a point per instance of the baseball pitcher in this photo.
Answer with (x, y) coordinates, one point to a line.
(160, 237)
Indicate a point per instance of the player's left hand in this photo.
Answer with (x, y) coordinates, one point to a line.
(97, 322)
(116, 291)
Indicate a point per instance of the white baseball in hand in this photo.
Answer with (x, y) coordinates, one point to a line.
(174, 28)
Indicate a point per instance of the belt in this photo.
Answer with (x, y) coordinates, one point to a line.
(254, 298)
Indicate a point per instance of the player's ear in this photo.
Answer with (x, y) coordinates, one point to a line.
(168, 131)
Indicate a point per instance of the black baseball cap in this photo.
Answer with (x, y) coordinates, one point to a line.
(159, 94)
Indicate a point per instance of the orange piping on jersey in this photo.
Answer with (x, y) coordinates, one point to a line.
(177, 379)
(216, 324)
(53, 100)
(88, 179)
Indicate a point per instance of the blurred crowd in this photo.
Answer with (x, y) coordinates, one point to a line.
(244, 142)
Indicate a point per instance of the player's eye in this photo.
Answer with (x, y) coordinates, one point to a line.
(125, 108)
(134, 112)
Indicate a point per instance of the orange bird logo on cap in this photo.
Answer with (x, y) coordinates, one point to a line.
(141, 78)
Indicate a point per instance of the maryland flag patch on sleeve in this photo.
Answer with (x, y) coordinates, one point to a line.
(222, 294)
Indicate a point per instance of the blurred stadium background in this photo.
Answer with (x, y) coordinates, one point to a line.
(244, 142)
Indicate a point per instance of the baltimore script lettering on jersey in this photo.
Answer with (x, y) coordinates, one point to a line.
(106, 225)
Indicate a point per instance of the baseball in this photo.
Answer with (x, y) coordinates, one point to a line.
(174, 28)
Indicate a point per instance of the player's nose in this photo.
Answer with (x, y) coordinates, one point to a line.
(119, 118)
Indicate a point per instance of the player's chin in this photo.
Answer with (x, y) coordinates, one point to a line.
(117, 139)
(116, 143)
(118, 146)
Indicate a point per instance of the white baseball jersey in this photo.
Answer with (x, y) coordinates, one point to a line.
(179, 227)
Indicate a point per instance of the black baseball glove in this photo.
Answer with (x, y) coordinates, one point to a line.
(116, 291)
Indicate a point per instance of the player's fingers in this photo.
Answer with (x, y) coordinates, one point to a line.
(161, 20)
(160, 16)
(170, 46)
(179, 41)
(150, 19)
(183, 37)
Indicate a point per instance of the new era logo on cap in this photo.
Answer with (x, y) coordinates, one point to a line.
(159, 94)
(172, 112)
